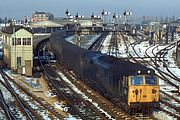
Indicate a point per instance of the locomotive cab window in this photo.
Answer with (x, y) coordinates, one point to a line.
(151, 80)
(136, 80)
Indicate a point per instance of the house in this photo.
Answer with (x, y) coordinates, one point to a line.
(18, 49)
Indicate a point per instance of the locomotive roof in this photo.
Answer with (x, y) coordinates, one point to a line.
(122, 66)
(125, 66)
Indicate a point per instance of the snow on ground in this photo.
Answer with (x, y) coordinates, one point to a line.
(140, 49)
(33, 82)
(10, 100)
(171, 63)
(162, 116)
(34, 105)
(106, 43)
(2, 115)
(50, 94)
(70, 117)
(83, 95)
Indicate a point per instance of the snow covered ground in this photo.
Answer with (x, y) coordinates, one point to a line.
(30, 101)
(84, 95)
(140, 50)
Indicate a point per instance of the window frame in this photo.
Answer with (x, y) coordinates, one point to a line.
(143, 83)
(154, 78)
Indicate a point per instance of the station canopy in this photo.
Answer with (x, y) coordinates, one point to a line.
(46, 24)
(89, 23)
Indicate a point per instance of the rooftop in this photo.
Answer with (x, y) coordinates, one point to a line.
(14, 28)
(36, 12)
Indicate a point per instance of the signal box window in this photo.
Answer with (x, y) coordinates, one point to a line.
(151, 80)
(26, 41)
(13, 41)
(18, 41)
(136, 80)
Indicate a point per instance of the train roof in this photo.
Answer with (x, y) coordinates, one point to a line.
(126, 67)
(93, 57)
(120, 65)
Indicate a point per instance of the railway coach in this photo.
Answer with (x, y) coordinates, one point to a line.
(136, 86)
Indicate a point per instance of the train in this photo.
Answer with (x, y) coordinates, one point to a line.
(135, 86)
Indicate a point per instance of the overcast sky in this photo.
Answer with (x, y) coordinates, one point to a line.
(20, 8)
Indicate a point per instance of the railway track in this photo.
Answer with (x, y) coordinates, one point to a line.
(39, 107)
(154, 64)
(40, 103)
(97, 44)
(162, 53)
(9, 114)
(24, 107)
(76, 101)
(114, 44)
(163, 102)
(114, 111)
(78, 106)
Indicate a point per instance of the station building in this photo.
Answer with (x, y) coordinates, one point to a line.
(88, 25)
(18, 49)
(42, 16)
(46, 27)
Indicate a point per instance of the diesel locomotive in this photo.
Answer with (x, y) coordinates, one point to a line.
(136, 86)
